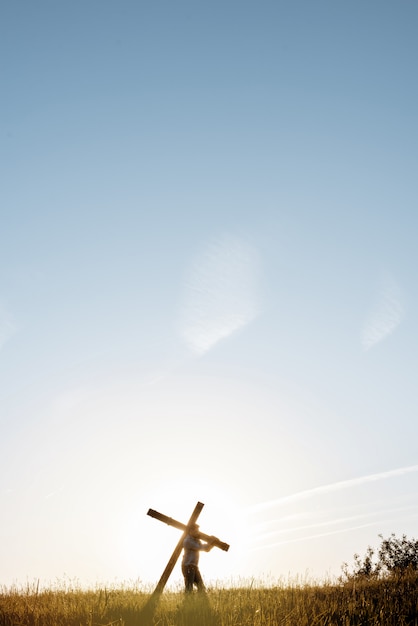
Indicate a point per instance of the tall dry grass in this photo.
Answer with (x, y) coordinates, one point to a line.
(391, 602)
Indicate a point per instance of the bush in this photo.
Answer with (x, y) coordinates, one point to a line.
(396, 556)
(399, 555)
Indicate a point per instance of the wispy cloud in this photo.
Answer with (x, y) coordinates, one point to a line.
(337, 531)
(346, 522)
(54, 493)
(386, 315)
(221, 293)
(295, 529)
(337, 486)
(315, 536)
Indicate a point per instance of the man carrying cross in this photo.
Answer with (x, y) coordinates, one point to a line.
(190, 542)
(190, 564)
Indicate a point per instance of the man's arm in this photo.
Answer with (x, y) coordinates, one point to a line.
(207, 547)
(190, 543)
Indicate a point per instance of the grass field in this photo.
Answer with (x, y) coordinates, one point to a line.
(375, 603)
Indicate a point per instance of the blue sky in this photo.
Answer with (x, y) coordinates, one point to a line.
(207, 283)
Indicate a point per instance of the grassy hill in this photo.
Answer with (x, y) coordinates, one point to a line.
(383, 602)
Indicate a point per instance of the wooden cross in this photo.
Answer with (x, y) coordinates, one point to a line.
(185, 528)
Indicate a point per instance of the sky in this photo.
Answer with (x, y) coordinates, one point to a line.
(208, 286)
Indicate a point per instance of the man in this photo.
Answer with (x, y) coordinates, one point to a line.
(190, 564)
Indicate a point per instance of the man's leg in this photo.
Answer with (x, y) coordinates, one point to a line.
(189, 573)
(198, 580)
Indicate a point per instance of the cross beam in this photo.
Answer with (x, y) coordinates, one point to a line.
(172, 522)
(185, 528)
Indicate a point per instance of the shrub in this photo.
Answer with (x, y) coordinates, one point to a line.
(395, 556)
(398, 555)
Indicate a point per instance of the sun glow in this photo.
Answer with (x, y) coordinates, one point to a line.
(147, 543)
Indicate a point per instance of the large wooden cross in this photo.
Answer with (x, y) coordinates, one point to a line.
(185, 528)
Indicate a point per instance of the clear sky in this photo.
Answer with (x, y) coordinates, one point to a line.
(208, 284)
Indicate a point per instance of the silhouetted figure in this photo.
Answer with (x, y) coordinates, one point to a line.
(190, 565)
